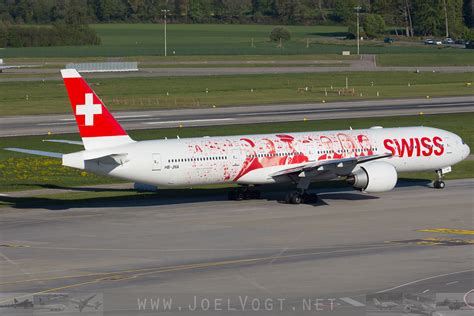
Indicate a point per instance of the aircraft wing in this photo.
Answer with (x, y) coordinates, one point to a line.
(339, 167)
(35, 152)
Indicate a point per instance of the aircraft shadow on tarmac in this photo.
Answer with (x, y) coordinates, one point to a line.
(175, 196)
(182, 196)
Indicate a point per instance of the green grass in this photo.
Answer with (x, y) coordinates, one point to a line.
(190, 92)
(444, 57)
(21, 172)
(202, 39)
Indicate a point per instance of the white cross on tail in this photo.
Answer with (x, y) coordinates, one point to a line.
(89, 109)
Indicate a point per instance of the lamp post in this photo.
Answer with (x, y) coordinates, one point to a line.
(165, 12)
(358, 35)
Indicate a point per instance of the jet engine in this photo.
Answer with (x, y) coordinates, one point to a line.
(374, 177)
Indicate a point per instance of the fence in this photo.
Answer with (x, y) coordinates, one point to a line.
(104, 67)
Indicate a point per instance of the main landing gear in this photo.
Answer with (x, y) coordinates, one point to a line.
(244, 193)
(439, 183)
(300, 196)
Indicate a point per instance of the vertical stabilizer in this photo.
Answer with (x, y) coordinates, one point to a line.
(97, 127)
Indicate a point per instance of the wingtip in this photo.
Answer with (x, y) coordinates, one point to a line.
(70, 73)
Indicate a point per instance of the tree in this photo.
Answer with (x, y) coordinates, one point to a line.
(428, 17)
(468, 13)
(199, 10)
(111, 10)
(290, 11)
(374, 25)
(344, 10)
(280, 34)
(3, 35)
(352, 30)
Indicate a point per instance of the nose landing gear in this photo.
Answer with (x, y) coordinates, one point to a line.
(439, 183)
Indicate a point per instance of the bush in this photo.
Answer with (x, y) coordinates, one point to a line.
(57, 35)
(280, 33)
(374, 25)
(352, 31)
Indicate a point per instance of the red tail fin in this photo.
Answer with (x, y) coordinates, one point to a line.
(97, 126)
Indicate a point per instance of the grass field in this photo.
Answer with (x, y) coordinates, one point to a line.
(202, 39)
(47, 97)
(445, 57)
(21, 172)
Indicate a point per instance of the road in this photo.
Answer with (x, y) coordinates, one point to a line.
(44, 124)
(202, 248)
(367, 63)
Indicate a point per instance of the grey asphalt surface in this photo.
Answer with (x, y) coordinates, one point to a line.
(367, 62)
(43, 124)
(200, 245)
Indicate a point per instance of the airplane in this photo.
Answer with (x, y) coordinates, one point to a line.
(452, 305)
(384, 305)
(83, 303)
(17, 304)
(417, 307)
(368, 159)
(52, 307)
(5, 67)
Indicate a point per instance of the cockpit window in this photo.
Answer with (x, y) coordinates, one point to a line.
(462, 141)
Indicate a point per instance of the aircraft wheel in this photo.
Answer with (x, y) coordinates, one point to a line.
(438, 184)
(239, 195)
(296, 198)
(236, 195)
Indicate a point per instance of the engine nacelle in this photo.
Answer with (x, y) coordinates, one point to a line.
(374, 177)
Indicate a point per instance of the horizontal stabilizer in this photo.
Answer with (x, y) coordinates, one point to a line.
(64, 141)
(35, 152)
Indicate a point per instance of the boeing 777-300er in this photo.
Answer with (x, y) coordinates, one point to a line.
(369, 159)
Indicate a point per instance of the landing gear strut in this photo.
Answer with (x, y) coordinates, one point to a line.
(439, 183)
(244, 193)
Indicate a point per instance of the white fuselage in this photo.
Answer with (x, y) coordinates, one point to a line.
(252, 159)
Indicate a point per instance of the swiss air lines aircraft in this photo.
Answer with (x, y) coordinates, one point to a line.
(369, 159)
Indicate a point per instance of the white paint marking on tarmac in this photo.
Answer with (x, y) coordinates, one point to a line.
(16, 265)
(424, 279)
(191, 121)
(116, 117)
(123, 119)
(352, 302)
(425, 291)
(451, 283)
(52, 124)
(309, 111)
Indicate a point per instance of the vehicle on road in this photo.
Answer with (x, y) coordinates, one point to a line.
(448, 41)
(368, 159)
